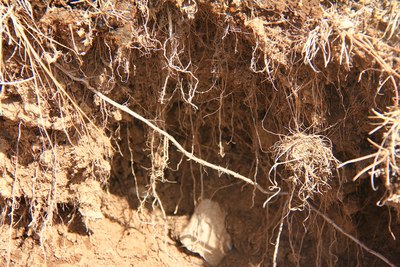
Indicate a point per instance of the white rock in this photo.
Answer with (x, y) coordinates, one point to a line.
(206, 233)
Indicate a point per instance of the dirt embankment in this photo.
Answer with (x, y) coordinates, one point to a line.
(118, 117)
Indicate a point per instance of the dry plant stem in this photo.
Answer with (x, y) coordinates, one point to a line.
(189, 155)
(352, 238)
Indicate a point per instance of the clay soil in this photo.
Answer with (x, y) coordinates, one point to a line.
(118, 117)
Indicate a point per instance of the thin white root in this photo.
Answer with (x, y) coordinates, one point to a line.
(278, 239)
(189, 155)
(16, 82)
(352, 238)
(357, 160)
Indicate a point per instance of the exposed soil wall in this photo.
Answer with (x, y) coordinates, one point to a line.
(118, 117)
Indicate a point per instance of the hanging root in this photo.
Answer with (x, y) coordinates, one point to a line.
(308, 164)
(386, 158)
(189, 155)
(352, 238)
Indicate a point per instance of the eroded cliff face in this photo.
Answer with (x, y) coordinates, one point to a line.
(118, 117)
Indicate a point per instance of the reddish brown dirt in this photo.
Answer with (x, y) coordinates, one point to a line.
(83, 183)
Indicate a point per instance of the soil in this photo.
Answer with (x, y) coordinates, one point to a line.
(286, 113)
